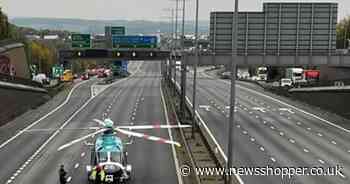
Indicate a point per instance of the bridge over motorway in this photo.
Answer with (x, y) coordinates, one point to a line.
(207, 58)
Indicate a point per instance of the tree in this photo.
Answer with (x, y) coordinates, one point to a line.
(343, 33)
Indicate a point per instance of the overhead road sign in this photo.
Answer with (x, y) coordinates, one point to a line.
(81, 40)
(117, 31)
(134, 41)
(114, 30)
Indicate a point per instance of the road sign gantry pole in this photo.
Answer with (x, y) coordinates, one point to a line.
(194, 126)
(231, 123)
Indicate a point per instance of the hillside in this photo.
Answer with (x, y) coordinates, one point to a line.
(97, 26)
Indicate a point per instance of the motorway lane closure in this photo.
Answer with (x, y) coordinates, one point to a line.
(197, 152)
(56, 133)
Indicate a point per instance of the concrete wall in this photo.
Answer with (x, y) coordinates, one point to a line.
(16, 55)
(334, 73)
(337, 102)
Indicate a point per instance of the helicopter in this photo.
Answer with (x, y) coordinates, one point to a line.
(109, 152)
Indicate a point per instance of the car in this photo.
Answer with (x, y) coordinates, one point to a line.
(85, 76)
(285, 82)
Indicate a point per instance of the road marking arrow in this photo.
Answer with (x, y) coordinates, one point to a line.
(261, 109)
(286, 109)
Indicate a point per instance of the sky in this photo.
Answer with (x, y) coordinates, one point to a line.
(153, 10)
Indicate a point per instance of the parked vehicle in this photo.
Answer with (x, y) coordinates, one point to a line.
(285, 82)
(311, 75)
(41, 78)
(295, 74)
(262, 73)
(85, 76)
(67, 76)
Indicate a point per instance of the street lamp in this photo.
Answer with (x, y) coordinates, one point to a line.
(195, 71)
(231, 123)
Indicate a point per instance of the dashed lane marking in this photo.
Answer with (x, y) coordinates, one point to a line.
(321, 161)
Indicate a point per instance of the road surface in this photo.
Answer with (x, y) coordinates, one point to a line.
(270, 132)
(132, 100)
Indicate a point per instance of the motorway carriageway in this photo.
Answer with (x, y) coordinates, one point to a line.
(269, 131)
(33, 158)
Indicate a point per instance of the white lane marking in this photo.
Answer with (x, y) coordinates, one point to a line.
(211, 135)
(306, 150)
(69, 179)
(66, 123)
(261, 109)
(296, 108)
(179, 177)
(321, 161)
(43, 117)
(76, 165)
(292, 141)
(287, 110)
(206, 107)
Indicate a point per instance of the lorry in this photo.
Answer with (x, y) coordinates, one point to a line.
(295, 74)
(120, 68)
(261, 73)
(311, 75)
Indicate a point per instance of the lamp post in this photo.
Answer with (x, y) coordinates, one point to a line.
(231, 123)
(183, 64)
(195, 72)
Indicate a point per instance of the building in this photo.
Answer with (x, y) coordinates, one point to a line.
(280, 29)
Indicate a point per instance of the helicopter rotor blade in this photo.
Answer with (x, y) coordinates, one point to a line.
(145, 127)
(80, 139)
(100, 122)
(148, 137)
(65, 129)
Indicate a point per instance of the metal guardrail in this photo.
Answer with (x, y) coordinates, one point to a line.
(19, 80)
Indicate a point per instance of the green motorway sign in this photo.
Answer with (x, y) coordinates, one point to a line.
(81, 41)
(119, 31)
(57, 71)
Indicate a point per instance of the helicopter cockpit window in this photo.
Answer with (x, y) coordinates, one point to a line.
(116, 157)
(102, 157)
